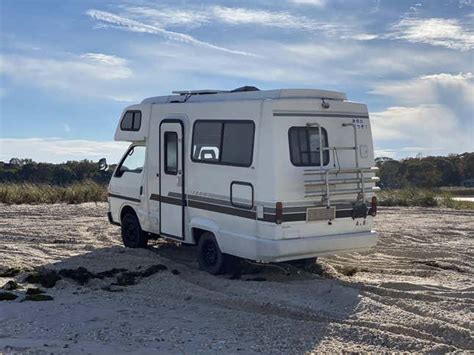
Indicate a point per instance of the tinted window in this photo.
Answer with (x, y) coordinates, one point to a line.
(237, 143)
(127, 121)
(131, 121)
(134, 161)
(304, 146)
(223, 142)
(137, 120)
(171, 153)
(207, 141)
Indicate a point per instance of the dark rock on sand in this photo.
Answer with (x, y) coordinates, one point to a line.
(47, 278)
(152, 270)
(34, 291)
(127, 279)
(258, 279)
(7, 296)
(110, 273)
(10, 272)
(10, 285)
(37, 298)
(81, 275)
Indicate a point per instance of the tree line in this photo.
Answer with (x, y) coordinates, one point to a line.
(28, 171)
(426, 172)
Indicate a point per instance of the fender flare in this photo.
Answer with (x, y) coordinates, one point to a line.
(207, 225)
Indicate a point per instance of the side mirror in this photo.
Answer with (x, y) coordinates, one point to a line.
(103, 165)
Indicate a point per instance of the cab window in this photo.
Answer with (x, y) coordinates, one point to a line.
(133, 161)
(131, 121)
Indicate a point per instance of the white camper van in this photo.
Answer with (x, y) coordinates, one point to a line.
(265, 175)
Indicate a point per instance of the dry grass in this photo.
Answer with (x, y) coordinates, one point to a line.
(87, 191)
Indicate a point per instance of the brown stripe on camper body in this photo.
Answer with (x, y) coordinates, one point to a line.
(290, 214)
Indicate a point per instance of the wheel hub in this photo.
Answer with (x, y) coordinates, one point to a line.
(210, 254)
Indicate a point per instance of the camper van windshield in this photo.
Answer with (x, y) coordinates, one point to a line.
(304, 146)
(134, 161)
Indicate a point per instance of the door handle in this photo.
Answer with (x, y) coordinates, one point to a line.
(141, 190)
(158, 175)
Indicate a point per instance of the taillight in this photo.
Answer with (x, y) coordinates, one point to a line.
(373, 207)
(278, 212)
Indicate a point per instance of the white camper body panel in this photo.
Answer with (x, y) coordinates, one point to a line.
(238, 203)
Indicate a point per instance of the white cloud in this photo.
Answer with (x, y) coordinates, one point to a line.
(136, 26)
(317, 3)
(285, 20)
(167, 16)
(450, 33)
(155, 20)
(437, 113)
(56, 150)
(239, 16)
(89, 74)
(431, 89)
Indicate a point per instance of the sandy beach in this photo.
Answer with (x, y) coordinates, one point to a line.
(413, 293)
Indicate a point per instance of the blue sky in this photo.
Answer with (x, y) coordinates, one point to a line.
(67, 68)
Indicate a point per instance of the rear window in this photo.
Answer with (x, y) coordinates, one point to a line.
(305, 144)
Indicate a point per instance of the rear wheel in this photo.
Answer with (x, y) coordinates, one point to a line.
(132, 234)
(210, 257)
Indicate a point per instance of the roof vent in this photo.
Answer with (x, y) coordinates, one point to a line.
(245, 88)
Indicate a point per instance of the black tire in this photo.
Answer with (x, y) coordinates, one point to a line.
(132, 234)
(210, 257)
(303, 263)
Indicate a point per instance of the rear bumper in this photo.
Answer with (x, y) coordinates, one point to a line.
(299, 248)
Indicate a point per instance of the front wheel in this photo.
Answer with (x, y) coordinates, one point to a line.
(132, 234)
(210, 257)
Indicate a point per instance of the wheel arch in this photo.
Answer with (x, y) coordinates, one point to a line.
(128, 209)
(199, 226)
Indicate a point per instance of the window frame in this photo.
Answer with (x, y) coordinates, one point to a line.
(119, 166)
(165, 152)
(326, 154)
(219, 162)
(134, 112)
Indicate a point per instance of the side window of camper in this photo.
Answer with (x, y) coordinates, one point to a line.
(131, 121)
(305, 144)
(223, 142)
(171, 153)
(133, 161)
(207, 141)
(237, 144)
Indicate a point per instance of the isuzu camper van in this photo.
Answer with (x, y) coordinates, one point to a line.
(265, 175)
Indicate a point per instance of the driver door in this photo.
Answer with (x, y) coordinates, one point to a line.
(127, 181)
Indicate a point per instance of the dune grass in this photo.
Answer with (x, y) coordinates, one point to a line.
(87, 191)
(421, 198)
